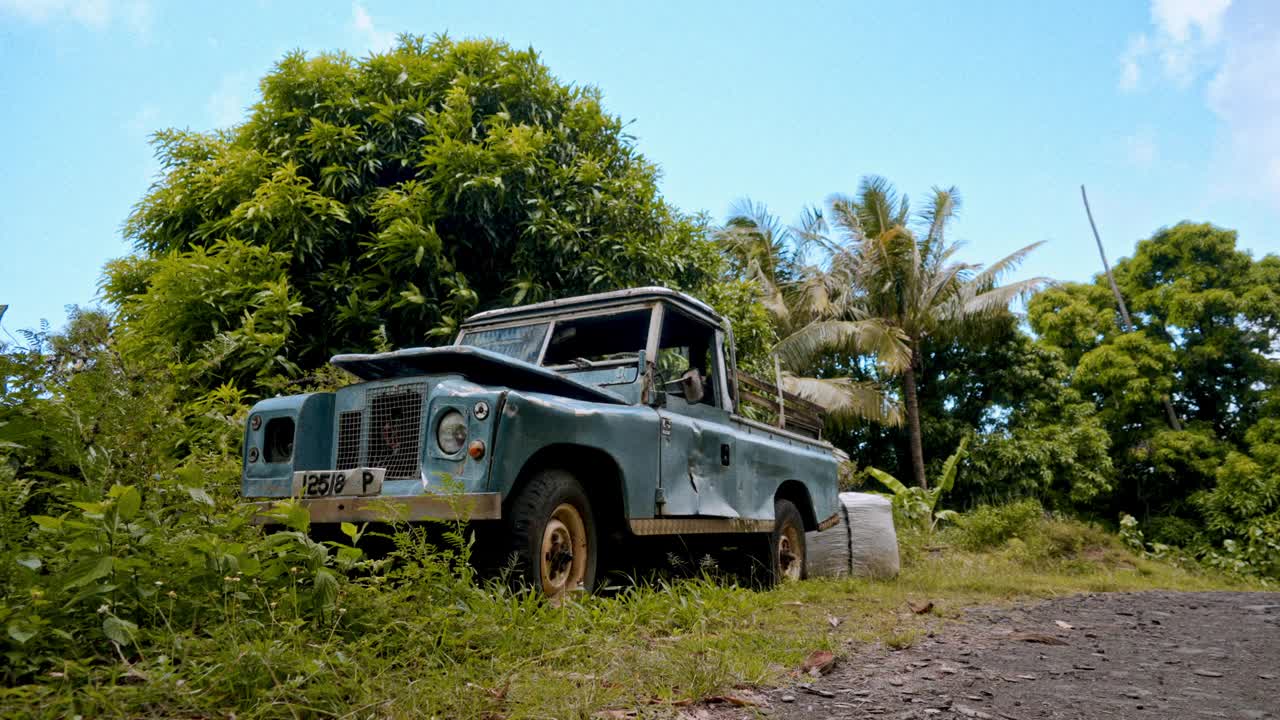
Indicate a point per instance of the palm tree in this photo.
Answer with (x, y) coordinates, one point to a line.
(762, 248)
(889, 282)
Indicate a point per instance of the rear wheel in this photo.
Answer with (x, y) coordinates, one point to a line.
(553, 535)
(787, 551)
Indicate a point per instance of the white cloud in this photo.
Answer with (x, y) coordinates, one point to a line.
(1230, 51)
(228, 105)
(93, 14)
(1184, 37)
(1178, 18)
(1245, 95)
(1131, 62)
(377, 40)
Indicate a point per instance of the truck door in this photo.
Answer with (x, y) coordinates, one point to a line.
(697, 466)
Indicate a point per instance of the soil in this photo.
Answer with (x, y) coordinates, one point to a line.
(1122, 655)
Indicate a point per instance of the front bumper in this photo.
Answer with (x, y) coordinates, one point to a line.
(392, 508)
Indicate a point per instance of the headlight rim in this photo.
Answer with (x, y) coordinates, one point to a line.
(456, 419)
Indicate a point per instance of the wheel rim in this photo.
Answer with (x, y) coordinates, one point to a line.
(564, 551)
(790, 553)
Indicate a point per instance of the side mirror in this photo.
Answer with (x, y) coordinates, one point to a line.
(691, 386)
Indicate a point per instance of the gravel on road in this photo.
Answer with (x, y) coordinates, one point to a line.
(1110, 655)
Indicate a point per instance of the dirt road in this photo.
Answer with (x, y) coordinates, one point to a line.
(1124, 655)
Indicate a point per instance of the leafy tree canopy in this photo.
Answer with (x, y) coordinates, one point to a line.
(381, 200)
(1207, 335)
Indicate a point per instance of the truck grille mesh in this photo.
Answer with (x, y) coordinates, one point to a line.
(349, 426)
(395, 428)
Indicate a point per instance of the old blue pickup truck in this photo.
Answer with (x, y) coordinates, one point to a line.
(555, 428)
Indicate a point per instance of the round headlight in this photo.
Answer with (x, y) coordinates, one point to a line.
(451, 432)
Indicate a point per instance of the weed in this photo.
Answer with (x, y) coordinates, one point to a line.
(990, 526)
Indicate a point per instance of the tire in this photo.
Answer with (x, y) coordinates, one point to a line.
(788, 556)
(553, 535)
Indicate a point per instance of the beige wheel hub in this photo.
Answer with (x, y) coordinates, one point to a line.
(790, 554)
(564, 551)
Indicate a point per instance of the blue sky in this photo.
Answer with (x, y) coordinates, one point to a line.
(1166, 109)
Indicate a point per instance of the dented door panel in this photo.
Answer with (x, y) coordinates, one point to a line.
(695, 480)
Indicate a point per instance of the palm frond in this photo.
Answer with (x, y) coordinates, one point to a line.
(845, 399)
(999, 298)
(854, 337)
(991, 274)
(942, 207)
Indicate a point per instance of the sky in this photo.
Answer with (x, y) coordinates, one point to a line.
(1168, 110)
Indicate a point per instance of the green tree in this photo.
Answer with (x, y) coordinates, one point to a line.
(1192, 290)
(892, 284)
(1207, 334)
(386, 198)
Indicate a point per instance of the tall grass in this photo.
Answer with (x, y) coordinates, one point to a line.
(203, 616)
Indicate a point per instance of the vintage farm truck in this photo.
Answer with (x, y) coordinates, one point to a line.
(556, 430)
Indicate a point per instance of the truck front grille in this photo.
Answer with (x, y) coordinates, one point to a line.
(395, 429)
(349, 427)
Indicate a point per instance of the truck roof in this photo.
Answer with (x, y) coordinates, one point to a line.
(630, 296)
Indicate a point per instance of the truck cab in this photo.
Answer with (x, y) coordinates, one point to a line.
(551, 427)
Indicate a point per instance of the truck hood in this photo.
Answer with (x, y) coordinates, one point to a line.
(480, 366)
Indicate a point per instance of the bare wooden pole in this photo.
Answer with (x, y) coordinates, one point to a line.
(1124, 311)
(1115, 289)
(777, 378)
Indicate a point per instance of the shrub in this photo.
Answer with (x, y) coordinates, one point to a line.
(990, 526)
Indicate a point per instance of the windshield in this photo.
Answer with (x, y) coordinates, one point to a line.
(598, 339)
(598, 349)
(522, 342)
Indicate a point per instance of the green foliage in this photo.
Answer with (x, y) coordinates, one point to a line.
(1242, 509)
(1023, 532)
(386, 198)
(917, 505)
(1206, 336)
(1036, 435)
(889, 282)
(1126, 378)
(989, 526)
(227, 310)
(1074, 317)
(753, 333)
(137, 586)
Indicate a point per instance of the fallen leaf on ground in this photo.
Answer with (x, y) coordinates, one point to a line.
(920, 609)
(819, 662)
(1063, 625)
(834, 621)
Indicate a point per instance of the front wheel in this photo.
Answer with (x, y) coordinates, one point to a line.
(787, 551)
(553, 534)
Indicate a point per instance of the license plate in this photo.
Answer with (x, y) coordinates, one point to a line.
(330, 483)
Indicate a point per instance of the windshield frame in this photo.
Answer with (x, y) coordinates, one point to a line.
(655, 321)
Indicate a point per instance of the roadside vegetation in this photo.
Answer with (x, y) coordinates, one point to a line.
(372, 204)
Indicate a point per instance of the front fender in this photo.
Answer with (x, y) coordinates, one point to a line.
(628, 434)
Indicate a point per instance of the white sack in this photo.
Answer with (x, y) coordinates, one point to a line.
(863, 543)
